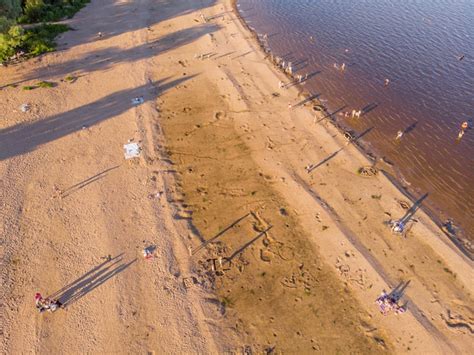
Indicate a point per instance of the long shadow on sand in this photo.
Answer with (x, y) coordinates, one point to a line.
(91, 280)
(86, 25)
(23, 138)
(120, 13)
(106, 58)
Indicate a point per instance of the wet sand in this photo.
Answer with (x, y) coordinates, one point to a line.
(304, 255)
(311, 279)
(429, 95)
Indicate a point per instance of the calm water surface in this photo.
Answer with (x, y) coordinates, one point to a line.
(415, 44)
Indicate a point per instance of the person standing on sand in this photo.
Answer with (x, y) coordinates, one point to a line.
(343, 67)
(386, 82)
(399, 135)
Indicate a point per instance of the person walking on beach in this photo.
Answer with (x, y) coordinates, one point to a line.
(353, 113)
(343, 67)
(386, 82)
(399, 135)
(281, 84)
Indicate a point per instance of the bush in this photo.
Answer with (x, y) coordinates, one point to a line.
(11, 42)
(35, 41)
(32, 42)
(50, 10)
(10, 9)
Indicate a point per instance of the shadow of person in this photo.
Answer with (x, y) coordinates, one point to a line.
(91, 280)
(411, 212)
(398, 291)
(26, 137)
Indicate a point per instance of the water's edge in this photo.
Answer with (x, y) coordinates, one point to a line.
(364, 147)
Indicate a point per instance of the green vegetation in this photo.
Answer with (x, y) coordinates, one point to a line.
(45, 84)
(69, 78)
(35, 11)
(28, 41)
(29, 87)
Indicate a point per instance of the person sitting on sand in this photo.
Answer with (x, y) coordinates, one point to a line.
(46, 304)
(40, 302)
(147, 253)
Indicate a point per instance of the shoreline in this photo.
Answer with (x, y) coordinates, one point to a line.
(462, 244)
(249, 111)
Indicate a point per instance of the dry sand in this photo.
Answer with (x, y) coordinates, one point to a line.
(305, 254)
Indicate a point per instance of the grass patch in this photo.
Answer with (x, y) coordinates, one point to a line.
(45, 84)
(376, 197)
(70, 78)
(29, 87)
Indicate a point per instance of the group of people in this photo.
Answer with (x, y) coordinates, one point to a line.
(389, 303)
(46, 304)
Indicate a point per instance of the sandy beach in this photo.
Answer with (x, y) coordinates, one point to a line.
(255, 252)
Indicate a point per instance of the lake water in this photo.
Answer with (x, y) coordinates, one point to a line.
(417, 46)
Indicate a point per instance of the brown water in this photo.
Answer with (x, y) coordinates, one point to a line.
(415, 44)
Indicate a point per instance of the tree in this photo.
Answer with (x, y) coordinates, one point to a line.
(10, 9)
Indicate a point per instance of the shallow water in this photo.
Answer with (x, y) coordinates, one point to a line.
(416, 45)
